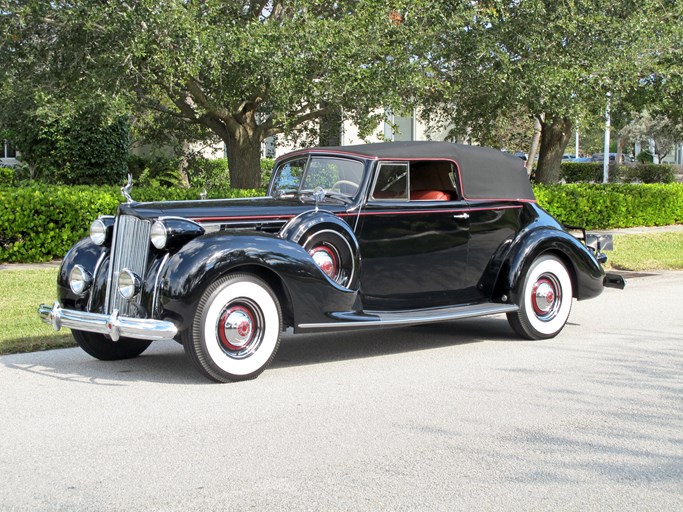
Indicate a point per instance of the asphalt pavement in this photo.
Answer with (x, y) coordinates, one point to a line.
(453, 416)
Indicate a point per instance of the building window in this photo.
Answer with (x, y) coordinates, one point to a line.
(9, 151)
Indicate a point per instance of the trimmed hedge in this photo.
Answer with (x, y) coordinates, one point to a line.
(575, 172)
(41, 222)
(614, 205)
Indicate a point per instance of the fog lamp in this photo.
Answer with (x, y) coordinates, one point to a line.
(128, 284)
(79, 280)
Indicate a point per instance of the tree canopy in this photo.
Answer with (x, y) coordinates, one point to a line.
(246, 70)
(555, 60)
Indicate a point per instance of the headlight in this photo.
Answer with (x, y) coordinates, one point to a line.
(173, 232)
(158, 235)
(98, 232)
(129, 284)
(79, 280)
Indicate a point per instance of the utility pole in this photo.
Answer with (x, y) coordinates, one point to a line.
(605, 160)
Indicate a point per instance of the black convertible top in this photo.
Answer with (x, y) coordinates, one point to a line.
(486, 173)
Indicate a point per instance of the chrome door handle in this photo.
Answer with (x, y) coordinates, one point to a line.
(463, 216)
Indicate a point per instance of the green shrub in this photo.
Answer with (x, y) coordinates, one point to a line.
(6, 176)
(205, 173)
(649, 173)
(587, 172)
(573, 172)
(41, 222)
(618, 205)
(645, 157)
(267, 165)
(208, 173)
(155, 170)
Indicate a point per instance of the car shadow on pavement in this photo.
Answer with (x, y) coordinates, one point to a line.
(165, 361)
(305, 349)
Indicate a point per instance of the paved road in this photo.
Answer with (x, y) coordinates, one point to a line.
(457, 416)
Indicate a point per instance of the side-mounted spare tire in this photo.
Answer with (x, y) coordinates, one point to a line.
(333, 253)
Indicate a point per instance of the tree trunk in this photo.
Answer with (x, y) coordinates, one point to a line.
(330, 128)
(244, 159)
(555, 135)
(531, 157)
(620, 150)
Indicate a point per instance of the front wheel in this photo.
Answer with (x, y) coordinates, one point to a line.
(545, 300)
(103, 348)
(236, 329)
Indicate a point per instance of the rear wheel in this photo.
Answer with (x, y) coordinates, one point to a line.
(102, 347)
(236, 329)
(546, 300)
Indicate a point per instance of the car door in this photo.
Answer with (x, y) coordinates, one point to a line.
(413, 249)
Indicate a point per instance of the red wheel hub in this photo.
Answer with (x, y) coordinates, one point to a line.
(543, 296)
(326, 259)
(237, 328)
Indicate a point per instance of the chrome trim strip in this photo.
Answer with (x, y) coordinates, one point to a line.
(96, 272)
(113, 325)
(112, 251)
(387, 319)
(155, 296)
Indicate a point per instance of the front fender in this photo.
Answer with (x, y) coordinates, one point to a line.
(92, 258)
(587, 274)
(308, 291)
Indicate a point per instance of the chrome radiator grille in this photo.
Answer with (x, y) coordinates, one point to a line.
(130, 250)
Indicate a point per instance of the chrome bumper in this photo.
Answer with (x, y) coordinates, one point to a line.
(113, 325)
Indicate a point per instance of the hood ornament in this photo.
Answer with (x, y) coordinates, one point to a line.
(125, 191)
(318, 195)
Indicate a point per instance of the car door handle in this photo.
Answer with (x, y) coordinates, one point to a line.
(463, 216)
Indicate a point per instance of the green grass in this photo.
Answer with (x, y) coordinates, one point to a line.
(21, 291)
(655, 251)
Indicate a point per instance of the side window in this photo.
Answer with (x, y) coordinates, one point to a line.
(288, 177)
(392, 182)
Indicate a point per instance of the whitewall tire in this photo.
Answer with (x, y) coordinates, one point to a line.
(236, 329)
(545, 300)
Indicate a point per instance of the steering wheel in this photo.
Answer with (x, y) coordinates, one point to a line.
(337, 185)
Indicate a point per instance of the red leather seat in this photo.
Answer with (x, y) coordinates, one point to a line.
(429, 195)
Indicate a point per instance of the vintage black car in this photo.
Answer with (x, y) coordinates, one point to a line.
(348, 237)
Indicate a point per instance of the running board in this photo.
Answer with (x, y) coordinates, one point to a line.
(350, 319)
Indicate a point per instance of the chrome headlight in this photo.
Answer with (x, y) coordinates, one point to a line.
(173, 232)
(79, 279)
(128, 284)
(100, 230)
(158, 235)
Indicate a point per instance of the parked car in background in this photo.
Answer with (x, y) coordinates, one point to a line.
(582, 159)
(600, 157)
(376, 235)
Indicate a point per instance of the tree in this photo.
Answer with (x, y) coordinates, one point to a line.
(244, 69)
(554, 60)
(662, 131)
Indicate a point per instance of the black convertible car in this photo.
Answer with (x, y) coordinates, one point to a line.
(348, 237)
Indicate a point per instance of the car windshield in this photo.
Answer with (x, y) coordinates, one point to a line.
(336, 176)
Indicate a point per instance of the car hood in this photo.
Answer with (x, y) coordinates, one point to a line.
(226, 210)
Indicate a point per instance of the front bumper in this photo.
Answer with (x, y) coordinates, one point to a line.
(113, 325)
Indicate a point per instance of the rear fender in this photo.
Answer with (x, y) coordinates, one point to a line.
(307, 290)
(586, 273)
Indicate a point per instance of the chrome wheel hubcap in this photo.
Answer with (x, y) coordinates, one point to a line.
(239, 329)
(546, 297)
